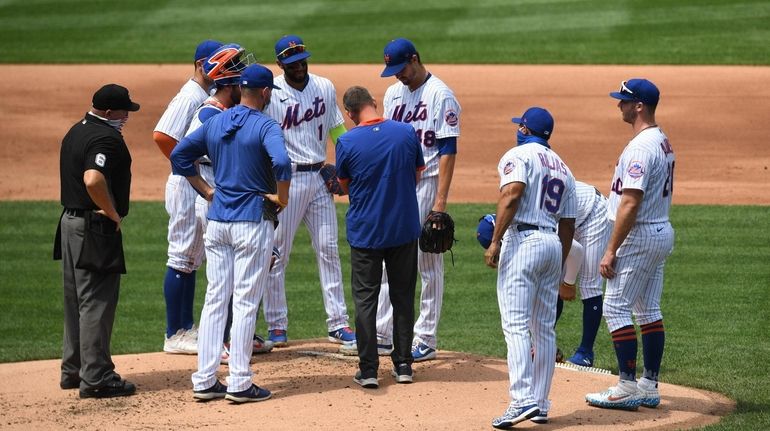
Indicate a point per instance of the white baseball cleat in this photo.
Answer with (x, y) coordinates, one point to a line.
(624, 396)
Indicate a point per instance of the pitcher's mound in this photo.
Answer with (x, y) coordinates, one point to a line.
(313, 389)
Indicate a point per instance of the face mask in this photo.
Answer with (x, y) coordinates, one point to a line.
(118, 124)
(521, 138)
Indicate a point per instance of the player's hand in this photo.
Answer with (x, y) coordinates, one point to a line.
(607, 265)
(492, 255)
(272, 197)
(115, 217)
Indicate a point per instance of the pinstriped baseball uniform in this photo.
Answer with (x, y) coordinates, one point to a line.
(208, 109)
(530, 266)
(180, 196)
(434, 113)
(306, 117)
(592, 232)
(646, 164)
(248, 159)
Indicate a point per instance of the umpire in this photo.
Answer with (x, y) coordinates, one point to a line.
(379, 162)
(95, 169)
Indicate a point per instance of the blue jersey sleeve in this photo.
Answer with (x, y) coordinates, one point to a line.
(276, 149)
(187, 151)
(341, 160)
(447, 145)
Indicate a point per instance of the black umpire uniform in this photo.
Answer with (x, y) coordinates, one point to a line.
(89, 243)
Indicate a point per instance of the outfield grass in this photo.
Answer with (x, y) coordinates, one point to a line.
(715, 298)
(346, 31)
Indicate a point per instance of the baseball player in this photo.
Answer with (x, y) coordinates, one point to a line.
(537, 196)
(424, 101)
(592, 231)
(252, 172)
(183, 231)
(641, 240)
(581, 265)
(224, 67)
(305, 106)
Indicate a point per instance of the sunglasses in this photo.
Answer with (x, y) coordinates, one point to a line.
(292, 50)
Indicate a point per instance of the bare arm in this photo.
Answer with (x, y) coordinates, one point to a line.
(624, 221)
(566, 233)
(446, 168)
(96, 185)
(510, 195)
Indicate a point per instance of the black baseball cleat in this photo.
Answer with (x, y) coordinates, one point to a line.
(115, 388)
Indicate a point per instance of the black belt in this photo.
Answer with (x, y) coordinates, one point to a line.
(74, 212)
(523, 227)
(307, 168)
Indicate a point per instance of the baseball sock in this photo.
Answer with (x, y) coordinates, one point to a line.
(653, 340)
(624, 341)
(188, 298)
(559, 308)
(173, 286)
(592, 318)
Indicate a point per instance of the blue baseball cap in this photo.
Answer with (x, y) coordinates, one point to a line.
(257, 76)
(290, 48)
(205, 49)
(538, 121)
(398, 53)
(638, 90)
(485, 230)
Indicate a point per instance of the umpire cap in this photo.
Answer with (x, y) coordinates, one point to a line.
(114, 97)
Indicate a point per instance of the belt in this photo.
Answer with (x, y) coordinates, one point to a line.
(307, 168)
(525, 227)
(74, 212)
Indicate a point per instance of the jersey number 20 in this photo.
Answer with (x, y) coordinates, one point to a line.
(551, 190)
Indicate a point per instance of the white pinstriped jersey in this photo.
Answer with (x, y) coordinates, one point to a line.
(550, 187)
(586, 198)
(646, 164)
(176, 119)
(306, 117)
(432, 110)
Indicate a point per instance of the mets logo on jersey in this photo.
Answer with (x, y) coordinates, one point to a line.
(635, 169)
(451, 118)
(508, 168)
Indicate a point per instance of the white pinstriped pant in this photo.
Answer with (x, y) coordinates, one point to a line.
(593, 235)
(431, 267)
(238, 255)
(185, 234)
(638, 284)
(527, 280)
(310, 202)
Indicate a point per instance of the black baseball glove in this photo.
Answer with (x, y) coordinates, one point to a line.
(438, 233)
(329, 174)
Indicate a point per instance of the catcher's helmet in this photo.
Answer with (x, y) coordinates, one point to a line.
(224, 65)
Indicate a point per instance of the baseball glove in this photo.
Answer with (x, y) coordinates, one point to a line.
(438, 233)
(329, 174)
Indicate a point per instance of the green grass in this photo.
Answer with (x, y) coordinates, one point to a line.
(715, 299)
(347, 31)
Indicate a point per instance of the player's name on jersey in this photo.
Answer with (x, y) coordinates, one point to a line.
(293, 119)
(552, 163)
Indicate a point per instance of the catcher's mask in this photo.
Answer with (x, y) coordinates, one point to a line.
(224, 66)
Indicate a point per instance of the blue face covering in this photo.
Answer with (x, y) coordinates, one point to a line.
(522, 139)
